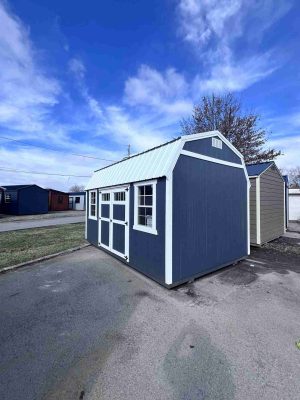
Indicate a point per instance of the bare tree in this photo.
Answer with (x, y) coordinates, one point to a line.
(76, 188)
(294, 177)
(224, 113)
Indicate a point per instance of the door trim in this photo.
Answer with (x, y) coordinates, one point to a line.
(112, 221)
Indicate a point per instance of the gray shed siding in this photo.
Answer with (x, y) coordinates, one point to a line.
(271, 205)
(209, 217)
(253, 227)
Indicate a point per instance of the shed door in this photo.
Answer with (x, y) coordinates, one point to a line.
(114, 220)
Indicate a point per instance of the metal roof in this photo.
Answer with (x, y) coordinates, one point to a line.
(77, 193)
(16, 187)
(257, 169)
(153, 163)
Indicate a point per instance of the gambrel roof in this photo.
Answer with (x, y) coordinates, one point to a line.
(154, 163)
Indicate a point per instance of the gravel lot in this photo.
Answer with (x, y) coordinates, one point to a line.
(84, 326)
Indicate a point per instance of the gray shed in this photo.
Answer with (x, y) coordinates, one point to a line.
(267, 203)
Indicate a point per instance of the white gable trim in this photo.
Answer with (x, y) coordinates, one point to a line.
(205, 135)
(211, 159)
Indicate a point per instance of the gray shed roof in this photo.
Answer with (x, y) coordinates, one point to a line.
(259, 168)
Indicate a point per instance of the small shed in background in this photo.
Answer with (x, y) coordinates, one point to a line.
(267, 203)
(174, 212)
(25, 200)
(1, 198)
(57, 200)
(294, 204)
(77, 201)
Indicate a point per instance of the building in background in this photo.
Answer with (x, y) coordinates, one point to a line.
(57, 200)
(77, 201)
(294, 204)
(267, 203)
(1, 198)
(25, 200)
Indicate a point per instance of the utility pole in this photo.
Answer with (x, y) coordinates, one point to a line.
(129, 150)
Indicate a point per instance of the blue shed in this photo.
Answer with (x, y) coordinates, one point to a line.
(25, 200)
(174, 212)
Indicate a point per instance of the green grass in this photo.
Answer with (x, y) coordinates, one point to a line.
(28, 244)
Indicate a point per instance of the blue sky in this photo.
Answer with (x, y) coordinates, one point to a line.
(91, 77)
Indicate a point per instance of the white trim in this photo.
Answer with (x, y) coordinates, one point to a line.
(258, 232)
(169, 231)
(86, 218)
(211, 159)
(111, 202)
(248, 215)
(205, 135)
(94, 217)
(284, 206)
(136, 226)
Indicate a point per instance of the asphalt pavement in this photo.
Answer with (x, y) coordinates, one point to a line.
(37, 223)
(85, 326)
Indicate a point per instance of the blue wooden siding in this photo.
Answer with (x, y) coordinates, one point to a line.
(26, 201)
(204, 146)
(105, 232)
(33, 200)
(12, 207)
(119, 212)
(119, 238)
(105, 210)
(209, 216)
(147, 251)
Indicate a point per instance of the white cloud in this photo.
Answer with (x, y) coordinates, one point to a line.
(201, 19)
(213, 27)
(77, 67)
(236, 76)
(290, 147)
(27, 94)
(167, 92)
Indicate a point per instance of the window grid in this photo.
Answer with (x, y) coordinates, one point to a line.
(145, 205)
(217, 143)
(119, 196)
(7, 198)
(105, 196)
(93, 204)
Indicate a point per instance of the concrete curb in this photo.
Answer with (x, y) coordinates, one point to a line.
(26, 263)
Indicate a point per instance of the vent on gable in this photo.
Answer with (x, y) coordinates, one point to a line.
(217, 143)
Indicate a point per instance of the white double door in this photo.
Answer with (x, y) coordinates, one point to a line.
(114, 220)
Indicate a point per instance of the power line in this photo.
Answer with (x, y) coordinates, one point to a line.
(41, 173)
(51, 148)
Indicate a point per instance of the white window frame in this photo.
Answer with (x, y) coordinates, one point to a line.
(144, 228)
(217, 143)
(90, 204)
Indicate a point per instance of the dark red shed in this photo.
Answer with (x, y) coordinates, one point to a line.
(58, 201)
